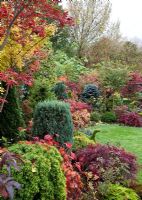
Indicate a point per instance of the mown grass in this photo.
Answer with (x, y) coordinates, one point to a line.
(128, 137)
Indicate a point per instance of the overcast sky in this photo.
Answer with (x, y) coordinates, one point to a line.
(129, 12)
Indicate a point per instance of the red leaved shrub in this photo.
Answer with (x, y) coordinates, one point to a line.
(80, 113)
(133, 86)
(73, 180)
(107, 162)
(120, 110)
(131, 119)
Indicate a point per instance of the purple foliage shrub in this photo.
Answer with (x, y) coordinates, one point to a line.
(108, 163)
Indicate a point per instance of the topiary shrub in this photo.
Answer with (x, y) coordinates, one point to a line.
(81, 141)
(108, 163)
(109, 117)
(95, 117)
(90, 91)
(11, 117)
(41, 176)
(118, 192)
(60, 91)
(53, 117)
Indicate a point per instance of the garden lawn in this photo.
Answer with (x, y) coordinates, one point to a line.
(128, 137)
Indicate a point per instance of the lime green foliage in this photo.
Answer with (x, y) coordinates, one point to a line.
(70, 67)
(53, 117)
(11, 117)
(128, 137)
(81, 140)
(117, 192)
(41, 176)
(108, 117)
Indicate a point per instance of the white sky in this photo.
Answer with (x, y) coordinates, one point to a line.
(129, 13)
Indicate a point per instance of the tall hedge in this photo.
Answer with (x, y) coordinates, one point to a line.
(53, 117)
(41, 176)
(11, 117)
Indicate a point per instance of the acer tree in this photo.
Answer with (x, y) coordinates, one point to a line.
(25, 26)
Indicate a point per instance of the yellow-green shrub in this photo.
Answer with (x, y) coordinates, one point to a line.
(41, 176)
(81, 141)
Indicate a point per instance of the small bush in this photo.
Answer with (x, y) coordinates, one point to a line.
(81, 141)
(108, 163)
(41, 91)
(60, 91)
(53, 117)
(131, 119)
(41, 176)
(108, 117)
(95, 117)
(90, 91)
(80, 113)
(120, 110)
(118, 192)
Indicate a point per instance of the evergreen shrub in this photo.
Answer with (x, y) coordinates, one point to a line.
(53, 117)
(109, 117)
(60, 91)
(41, 175)
(11, 117)
(90, 91)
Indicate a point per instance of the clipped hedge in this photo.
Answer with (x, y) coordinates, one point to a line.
(41, 176)
(53, 117)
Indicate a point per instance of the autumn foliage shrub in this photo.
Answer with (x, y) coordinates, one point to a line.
(131, 119)
(133, 86)
(80, 112)
(91, 78)
(120, 110)
(53, 117)
(107, 162)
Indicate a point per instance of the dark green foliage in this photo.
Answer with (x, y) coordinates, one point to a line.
(41, 176)
(60, 91)
(11, 117)
(41, 91)
(108, 117)
(90, 91)
(53, 117)
(95, 117)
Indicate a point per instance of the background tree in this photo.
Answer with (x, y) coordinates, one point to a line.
(91, 18)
